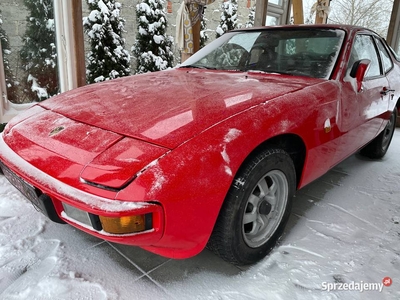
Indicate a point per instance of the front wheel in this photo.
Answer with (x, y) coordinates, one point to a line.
(256, 208)
(378, 147)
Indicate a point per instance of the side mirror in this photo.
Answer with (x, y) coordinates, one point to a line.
(359, 70)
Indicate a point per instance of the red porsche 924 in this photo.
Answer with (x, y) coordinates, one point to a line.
(211, 152)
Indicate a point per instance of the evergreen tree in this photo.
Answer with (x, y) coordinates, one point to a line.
(203, 33)
(107, 59)
(252, 14)
(228, 17)
(38, 53)
(11, 83)
(152, 48)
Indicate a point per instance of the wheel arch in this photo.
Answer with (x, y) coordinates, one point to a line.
(295, 147)
(292, 144)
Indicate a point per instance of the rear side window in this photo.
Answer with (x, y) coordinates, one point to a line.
(386, 60)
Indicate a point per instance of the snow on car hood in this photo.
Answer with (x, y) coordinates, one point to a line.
(75, 152)
(168, 108)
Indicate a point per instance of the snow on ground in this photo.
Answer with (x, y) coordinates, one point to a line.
(344, 230)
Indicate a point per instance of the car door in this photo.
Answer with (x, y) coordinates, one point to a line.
(390, 73)
(362, 110)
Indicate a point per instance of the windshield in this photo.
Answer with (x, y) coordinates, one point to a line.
(307, 52)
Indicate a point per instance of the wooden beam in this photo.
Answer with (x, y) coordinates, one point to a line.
(393, 35)
(3, 88)
(261, 13)
(77, 26)
(321, 18)
(298, 14)
(8, 110)
(70, 52)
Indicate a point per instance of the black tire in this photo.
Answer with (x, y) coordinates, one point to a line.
(398, 118)
(378, 147)
(253, 215)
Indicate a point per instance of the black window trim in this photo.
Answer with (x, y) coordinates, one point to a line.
(378, 39)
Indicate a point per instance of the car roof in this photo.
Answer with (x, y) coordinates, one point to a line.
(347, 28)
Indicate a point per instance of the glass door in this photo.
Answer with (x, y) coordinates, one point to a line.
(278, 12)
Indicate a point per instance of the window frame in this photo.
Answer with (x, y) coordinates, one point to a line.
(375, 47)
(380, 41)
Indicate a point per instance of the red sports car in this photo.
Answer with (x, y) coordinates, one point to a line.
(211, 152)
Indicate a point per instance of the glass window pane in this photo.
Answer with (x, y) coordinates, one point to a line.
(277, 2)
(31, 53)
(271, 21)
(387, 62)
(299, 52)
(364, 48)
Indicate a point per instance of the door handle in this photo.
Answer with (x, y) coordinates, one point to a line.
(386, 91)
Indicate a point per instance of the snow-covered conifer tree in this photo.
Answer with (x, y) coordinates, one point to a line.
(203, 33)
(252, 14)
(11, 83)
(107, 59)
(38, 53)
(228, 17)
(152, 48)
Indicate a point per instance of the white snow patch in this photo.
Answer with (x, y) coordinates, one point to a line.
(352, 81)
(225, 155)
(158, 39)
(50, 24)
(232, 135)
(94, 15)
(229, 137)
(100, 78)
(40, 92)
(228, 170)
(103, 7)
(219, 30)
(159, 179)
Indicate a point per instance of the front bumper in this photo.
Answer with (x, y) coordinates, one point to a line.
(65, 204)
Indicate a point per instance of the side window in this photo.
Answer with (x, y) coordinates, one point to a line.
(387, 62)
(364, 48)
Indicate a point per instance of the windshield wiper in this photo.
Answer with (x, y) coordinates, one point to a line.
(198, 67)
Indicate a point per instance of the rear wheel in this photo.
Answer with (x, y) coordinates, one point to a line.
(398, 116)
(256, 208)
(378, 147)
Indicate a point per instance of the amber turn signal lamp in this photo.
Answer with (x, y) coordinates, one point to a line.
(123, 225)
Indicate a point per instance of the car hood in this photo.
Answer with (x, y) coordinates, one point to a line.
(74, 152)
(170, 107)
(104, 134)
